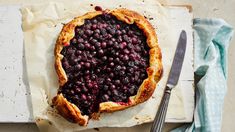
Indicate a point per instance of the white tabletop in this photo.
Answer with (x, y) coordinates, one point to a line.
(201, 8)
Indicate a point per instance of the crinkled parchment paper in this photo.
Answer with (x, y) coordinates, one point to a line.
(41, 26)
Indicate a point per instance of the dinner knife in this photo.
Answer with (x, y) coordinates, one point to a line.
(171, 82)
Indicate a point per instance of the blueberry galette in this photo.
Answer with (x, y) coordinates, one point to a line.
(106, 61)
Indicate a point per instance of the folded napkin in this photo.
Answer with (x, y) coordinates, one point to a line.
(211, 39)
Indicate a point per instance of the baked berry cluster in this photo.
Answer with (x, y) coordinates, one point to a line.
(106, 60)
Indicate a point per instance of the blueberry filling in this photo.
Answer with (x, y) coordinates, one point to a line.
(105, 61)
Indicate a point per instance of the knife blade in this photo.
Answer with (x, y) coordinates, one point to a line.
(178, 60)
(171, 82)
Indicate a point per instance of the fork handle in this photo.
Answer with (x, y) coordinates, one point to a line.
(161, 114)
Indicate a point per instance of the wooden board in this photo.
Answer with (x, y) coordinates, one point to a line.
(14, 92)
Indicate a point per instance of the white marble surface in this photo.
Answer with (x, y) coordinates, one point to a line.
(201, 8)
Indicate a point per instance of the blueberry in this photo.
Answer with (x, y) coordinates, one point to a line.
(131, 64)
(125, 58)
(126, 51)
(94, 26)
(87, 72)
(65, 64)
(97, 31)
(83, 96)
(98, 70)
(103, 44)
(117, 82)
(110, 59)
(89, 97)
(123, 31)
(117, 60)
(73, 41)
(111, 75)
(118, 32)
(84, 36)
(87, 46)
(94, 21)
(123, 45)
(112, 31)
(78, 66)
(88, 32)
(93, 41)
(122, 73)
(87, 65)
(97, 44)
(105, 97)
(115, 92)
(89, 85)
(92, 48)
(103, 31)
(112, 86)
(93, 76)
(108, 69)
(101, 52)
(111, 64)
(118, 68)
(79, 32)
(80, 40)
(108, 80)
(134, 41)
(110, 43)
(126, 80)
(132, 90)
(93, 53)
(84, 89)
(106, 87)
(104, 58)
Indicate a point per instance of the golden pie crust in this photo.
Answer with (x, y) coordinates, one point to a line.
(70, 111)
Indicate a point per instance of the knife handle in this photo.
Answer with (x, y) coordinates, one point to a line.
(161, 114)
